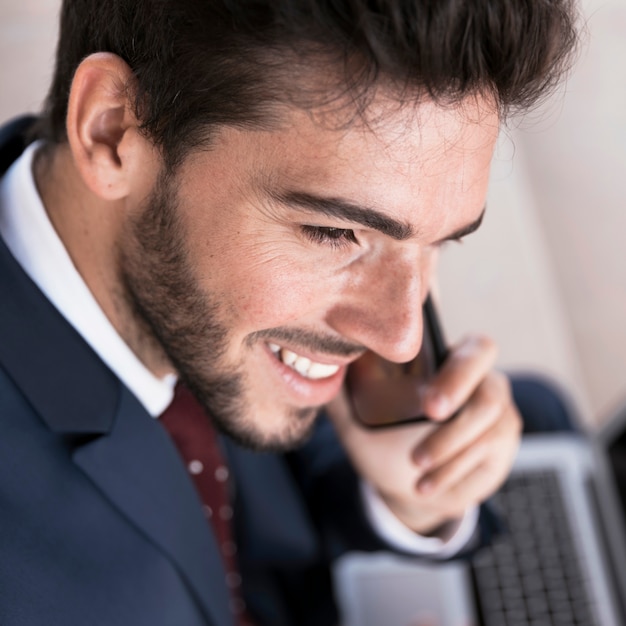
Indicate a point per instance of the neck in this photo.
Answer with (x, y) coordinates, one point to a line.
(91, 229)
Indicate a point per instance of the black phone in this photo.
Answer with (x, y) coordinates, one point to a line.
(384, 394)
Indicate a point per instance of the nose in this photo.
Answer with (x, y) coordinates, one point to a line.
(382, 309)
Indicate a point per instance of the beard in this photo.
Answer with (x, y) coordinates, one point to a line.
(171, 314)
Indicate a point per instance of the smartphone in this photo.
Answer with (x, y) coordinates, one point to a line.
(385, 394)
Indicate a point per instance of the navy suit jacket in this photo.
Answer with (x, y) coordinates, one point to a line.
(100, 523)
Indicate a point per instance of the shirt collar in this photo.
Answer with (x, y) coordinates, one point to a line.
(33, 241)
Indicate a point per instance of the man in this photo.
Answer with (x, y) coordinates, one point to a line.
(245, 198)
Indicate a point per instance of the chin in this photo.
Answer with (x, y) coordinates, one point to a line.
(288, 433)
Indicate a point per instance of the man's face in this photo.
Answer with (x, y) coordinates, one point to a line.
(272, 260)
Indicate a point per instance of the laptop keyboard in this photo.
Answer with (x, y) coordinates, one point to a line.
(532, 575)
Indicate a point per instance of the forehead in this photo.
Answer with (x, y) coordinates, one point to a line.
(407, 140)
(397, 159)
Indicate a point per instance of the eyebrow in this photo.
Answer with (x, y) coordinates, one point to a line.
(335, 207)
(368, 217)
(466, 230)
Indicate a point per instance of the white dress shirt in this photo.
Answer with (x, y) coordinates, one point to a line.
(33, 241)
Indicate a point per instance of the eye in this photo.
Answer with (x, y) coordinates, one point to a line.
(446, 242)
(335, 237)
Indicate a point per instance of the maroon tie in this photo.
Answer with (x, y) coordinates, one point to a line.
(191, 430)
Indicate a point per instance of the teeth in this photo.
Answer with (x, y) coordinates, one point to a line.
(301, 365)
(320, 370)
(305, 367)
(288, 357)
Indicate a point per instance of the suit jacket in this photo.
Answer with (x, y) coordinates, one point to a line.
(100, 523)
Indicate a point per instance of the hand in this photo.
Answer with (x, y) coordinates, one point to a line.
(430, 473)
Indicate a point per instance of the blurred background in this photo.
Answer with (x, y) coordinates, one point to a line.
(546, 274)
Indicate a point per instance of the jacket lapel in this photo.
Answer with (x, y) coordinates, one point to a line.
(136, 466)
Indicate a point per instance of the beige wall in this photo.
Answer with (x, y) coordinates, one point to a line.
(27, 40)
(578, 169)
(547, 273)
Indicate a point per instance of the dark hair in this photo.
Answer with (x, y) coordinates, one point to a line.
(200, 63)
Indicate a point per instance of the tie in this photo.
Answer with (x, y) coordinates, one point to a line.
(191, 430)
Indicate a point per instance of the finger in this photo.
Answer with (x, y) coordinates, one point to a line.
(477, 486)
(499, 442)
(487, 477)
(454, 471)
(454, 383)
(486, 406)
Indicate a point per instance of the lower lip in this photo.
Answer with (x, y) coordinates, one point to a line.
(310, 392)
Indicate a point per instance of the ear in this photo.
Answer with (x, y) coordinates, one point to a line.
(102, 130)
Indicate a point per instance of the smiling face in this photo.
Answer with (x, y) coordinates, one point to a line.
(272, 260)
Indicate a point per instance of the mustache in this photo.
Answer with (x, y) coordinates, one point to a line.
(316, 342)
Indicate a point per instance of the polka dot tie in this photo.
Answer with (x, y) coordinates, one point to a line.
(191, 430)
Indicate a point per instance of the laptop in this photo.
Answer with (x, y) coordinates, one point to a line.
(561, 563)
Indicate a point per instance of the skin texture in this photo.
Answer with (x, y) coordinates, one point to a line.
(202, 270)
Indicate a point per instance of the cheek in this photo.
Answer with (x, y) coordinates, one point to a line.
(266, 284)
